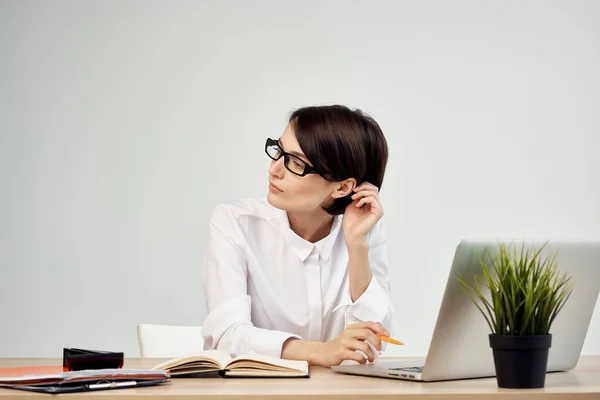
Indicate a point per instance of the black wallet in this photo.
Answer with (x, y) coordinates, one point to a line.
(80, 359)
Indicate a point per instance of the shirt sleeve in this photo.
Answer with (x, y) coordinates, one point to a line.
(228, 326)
(375, 304)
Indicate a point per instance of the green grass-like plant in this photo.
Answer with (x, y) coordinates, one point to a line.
(527, 291)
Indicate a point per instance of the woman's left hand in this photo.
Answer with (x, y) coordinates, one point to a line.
(362, 214)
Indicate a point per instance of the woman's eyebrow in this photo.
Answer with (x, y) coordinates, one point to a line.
(291, 152)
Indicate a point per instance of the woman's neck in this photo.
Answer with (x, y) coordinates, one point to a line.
(311, 226)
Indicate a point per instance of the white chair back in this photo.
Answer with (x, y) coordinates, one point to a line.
(169, 341)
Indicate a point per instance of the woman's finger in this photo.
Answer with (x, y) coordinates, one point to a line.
(368, 335)
(353, 355)
(372, 201)
(365, 193)
(365, 200)
(366, 186)
(376, 327)
(364, 347)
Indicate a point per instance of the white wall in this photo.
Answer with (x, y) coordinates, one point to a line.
(123, 123)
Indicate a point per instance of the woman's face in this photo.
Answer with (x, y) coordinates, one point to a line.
(290, 192)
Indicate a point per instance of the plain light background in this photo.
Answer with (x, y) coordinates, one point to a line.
(122, 124)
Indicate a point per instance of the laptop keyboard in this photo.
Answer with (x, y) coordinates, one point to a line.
(408, 369)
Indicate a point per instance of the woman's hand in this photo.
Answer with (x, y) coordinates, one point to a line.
(344, 346)
(362, 214)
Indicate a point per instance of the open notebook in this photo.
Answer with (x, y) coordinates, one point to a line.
(251, 365)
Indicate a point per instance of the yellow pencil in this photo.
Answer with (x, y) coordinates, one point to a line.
(389, 340)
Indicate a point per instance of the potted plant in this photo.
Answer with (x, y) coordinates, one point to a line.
(519, 293)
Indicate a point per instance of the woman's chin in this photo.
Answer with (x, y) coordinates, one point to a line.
(275, 201)
(291, 206)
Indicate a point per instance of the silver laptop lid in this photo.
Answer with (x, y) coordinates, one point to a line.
(460, 346)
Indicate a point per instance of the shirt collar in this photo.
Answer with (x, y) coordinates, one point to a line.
(303, 247)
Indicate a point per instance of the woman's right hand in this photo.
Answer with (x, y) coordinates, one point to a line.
(344, 346)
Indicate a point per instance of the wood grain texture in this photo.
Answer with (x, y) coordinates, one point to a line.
(581, 383)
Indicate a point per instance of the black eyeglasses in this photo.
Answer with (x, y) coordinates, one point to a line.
(293, 164)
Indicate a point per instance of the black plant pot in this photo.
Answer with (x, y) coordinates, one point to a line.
(521, 361)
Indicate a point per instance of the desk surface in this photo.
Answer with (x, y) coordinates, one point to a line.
(582, 383)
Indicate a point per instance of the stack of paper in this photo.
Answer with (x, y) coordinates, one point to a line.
(51, 379)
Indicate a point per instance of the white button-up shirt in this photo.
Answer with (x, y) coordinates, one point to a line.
(265, 284)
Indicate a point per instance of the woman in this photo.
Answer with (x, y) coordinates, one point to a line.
(303, 274)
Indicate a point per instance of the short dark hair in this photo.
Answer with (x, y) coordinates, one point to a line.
(341, 143)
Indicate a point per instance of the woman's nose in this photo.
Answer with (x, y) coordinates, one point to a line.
(277, 167)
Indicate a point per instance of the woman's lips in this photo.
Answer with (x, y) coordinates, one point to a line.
(274, 188)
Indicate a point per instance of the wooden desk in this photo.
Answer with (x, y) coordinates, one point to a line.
(581, 383)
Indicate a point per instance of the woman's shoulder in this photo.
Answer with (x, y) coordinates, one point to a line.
(243, 208)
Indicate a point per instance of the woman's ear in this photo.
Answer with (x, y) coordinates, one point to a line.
(343, 188)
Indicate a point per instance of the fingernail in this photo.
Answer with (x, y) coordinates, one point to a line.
(387, 333)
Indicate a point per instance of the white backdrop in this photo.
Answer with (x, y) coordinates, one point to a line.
(122, 124)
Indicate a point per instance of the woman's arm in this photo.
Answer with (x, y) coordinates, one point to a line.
(369, 297)
(228, 326)
(343, 347)
(373, 302)
(359, 269)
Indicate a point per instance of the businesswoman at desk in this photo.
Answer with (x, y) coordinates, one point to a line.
(303, 274)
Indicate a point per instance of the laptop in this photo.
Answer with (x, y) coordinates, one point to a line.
(459, 348)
